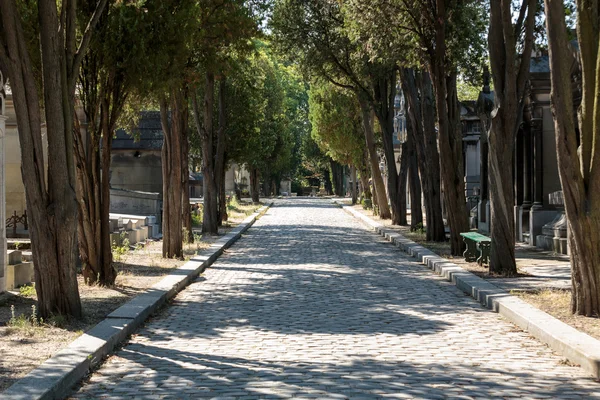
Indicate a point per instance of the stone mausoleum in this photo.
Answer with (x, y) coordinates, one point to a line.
(538, 209)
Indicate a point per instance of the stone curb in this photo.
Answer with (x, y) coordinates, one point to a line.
(56, 376)
(576, 346)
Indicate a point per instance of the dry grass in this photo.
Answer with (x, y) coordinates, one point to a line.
(558, 304)
(24, 346)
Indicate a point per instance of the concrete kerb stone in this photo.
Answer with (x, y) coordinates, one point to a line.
(57, 375)
(576, 346)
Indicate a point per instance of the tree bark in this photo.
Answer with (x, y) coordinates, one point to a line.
(210, 223)
(380, 198)
(219, 157)
(254, 185)
(509, 89)
(383, 104)
(578, 168)
(52, 206)
(450, 144)
(186, 212)
(421, 113)
(451, 156)
(402, 179)
(353, 190)
(416, 209)
(172, 154)
(337, 172)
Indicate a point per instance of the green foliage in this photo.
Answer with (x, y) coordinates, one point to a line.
(267, 109)
(367, 204)
(120, 248)
(26, 324)
(27, 290)
(196, 220)
(336, 123)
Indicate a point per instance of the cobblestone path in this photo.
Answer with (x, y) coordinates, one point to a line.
(309, 304)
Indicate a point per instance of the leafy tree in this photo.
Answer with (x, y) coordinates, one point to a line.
(313, 34)
(577, 142)
(226, 28)
(444, 34)
(337, 126)
(57, 46)
(114, 69)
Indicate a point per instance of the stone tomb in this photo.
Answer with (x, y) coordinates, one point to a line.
(18, 271)
(135, 228)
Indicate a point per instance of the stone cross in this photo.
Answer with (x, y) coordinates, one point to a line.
(2, 187)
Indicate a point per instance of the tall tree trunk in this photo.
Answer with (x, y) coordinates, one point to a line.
(421, 113)
(254, 185)
(103, 97)
(186, 212)
(578, 161)
(451, 156)
(353, 190)
(52, 207)
(402, 179)
(380, 198)
(416, 209)
(337, 173)
(450, 133)
(509, 88)
(328, 185)
(222, 197)
(205, 126)
(172, 153)
(383, 105)
(220, 155)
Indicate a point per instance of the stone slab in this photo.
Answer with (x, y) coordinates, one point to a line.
(14, 257)
(576, 346)
(57, 375)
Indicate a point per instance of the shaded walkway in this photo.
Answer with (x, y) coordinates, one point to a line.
(309, 304)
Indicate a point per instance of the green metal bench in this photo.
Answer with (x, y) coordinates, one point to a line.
(478, 247)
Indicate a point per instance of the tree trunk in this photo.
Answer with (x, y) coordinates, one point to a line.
(416, 209)
(219, 157)
(509, 85)
(186, 212)
(421, 113)
(337, 173)
(328, 185)
(578, 167)
(353, 190)
(172, 153)
(254, 185)
(380, 198)
(210, 223)
(451, 156)
(52, 206)
(383, 105)
(402, 179)
(222, 198)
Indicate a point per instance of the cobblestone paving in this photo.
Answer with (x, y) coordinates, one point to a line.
(308, 304)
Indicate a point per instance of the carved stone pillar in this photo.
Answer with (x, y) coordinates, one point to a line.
(2, 188)
(527, 165)
(538, 150)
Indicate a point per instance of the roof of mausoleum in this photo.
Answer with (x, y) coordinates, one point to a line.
(147, 136)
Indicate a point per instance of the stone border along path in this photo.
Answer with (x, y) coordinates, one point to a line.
(57, 375)
(575, 345)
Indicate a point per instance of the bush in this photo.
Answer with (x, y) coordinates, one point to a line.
(196, 219)
(367, 204)
(27, 290)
